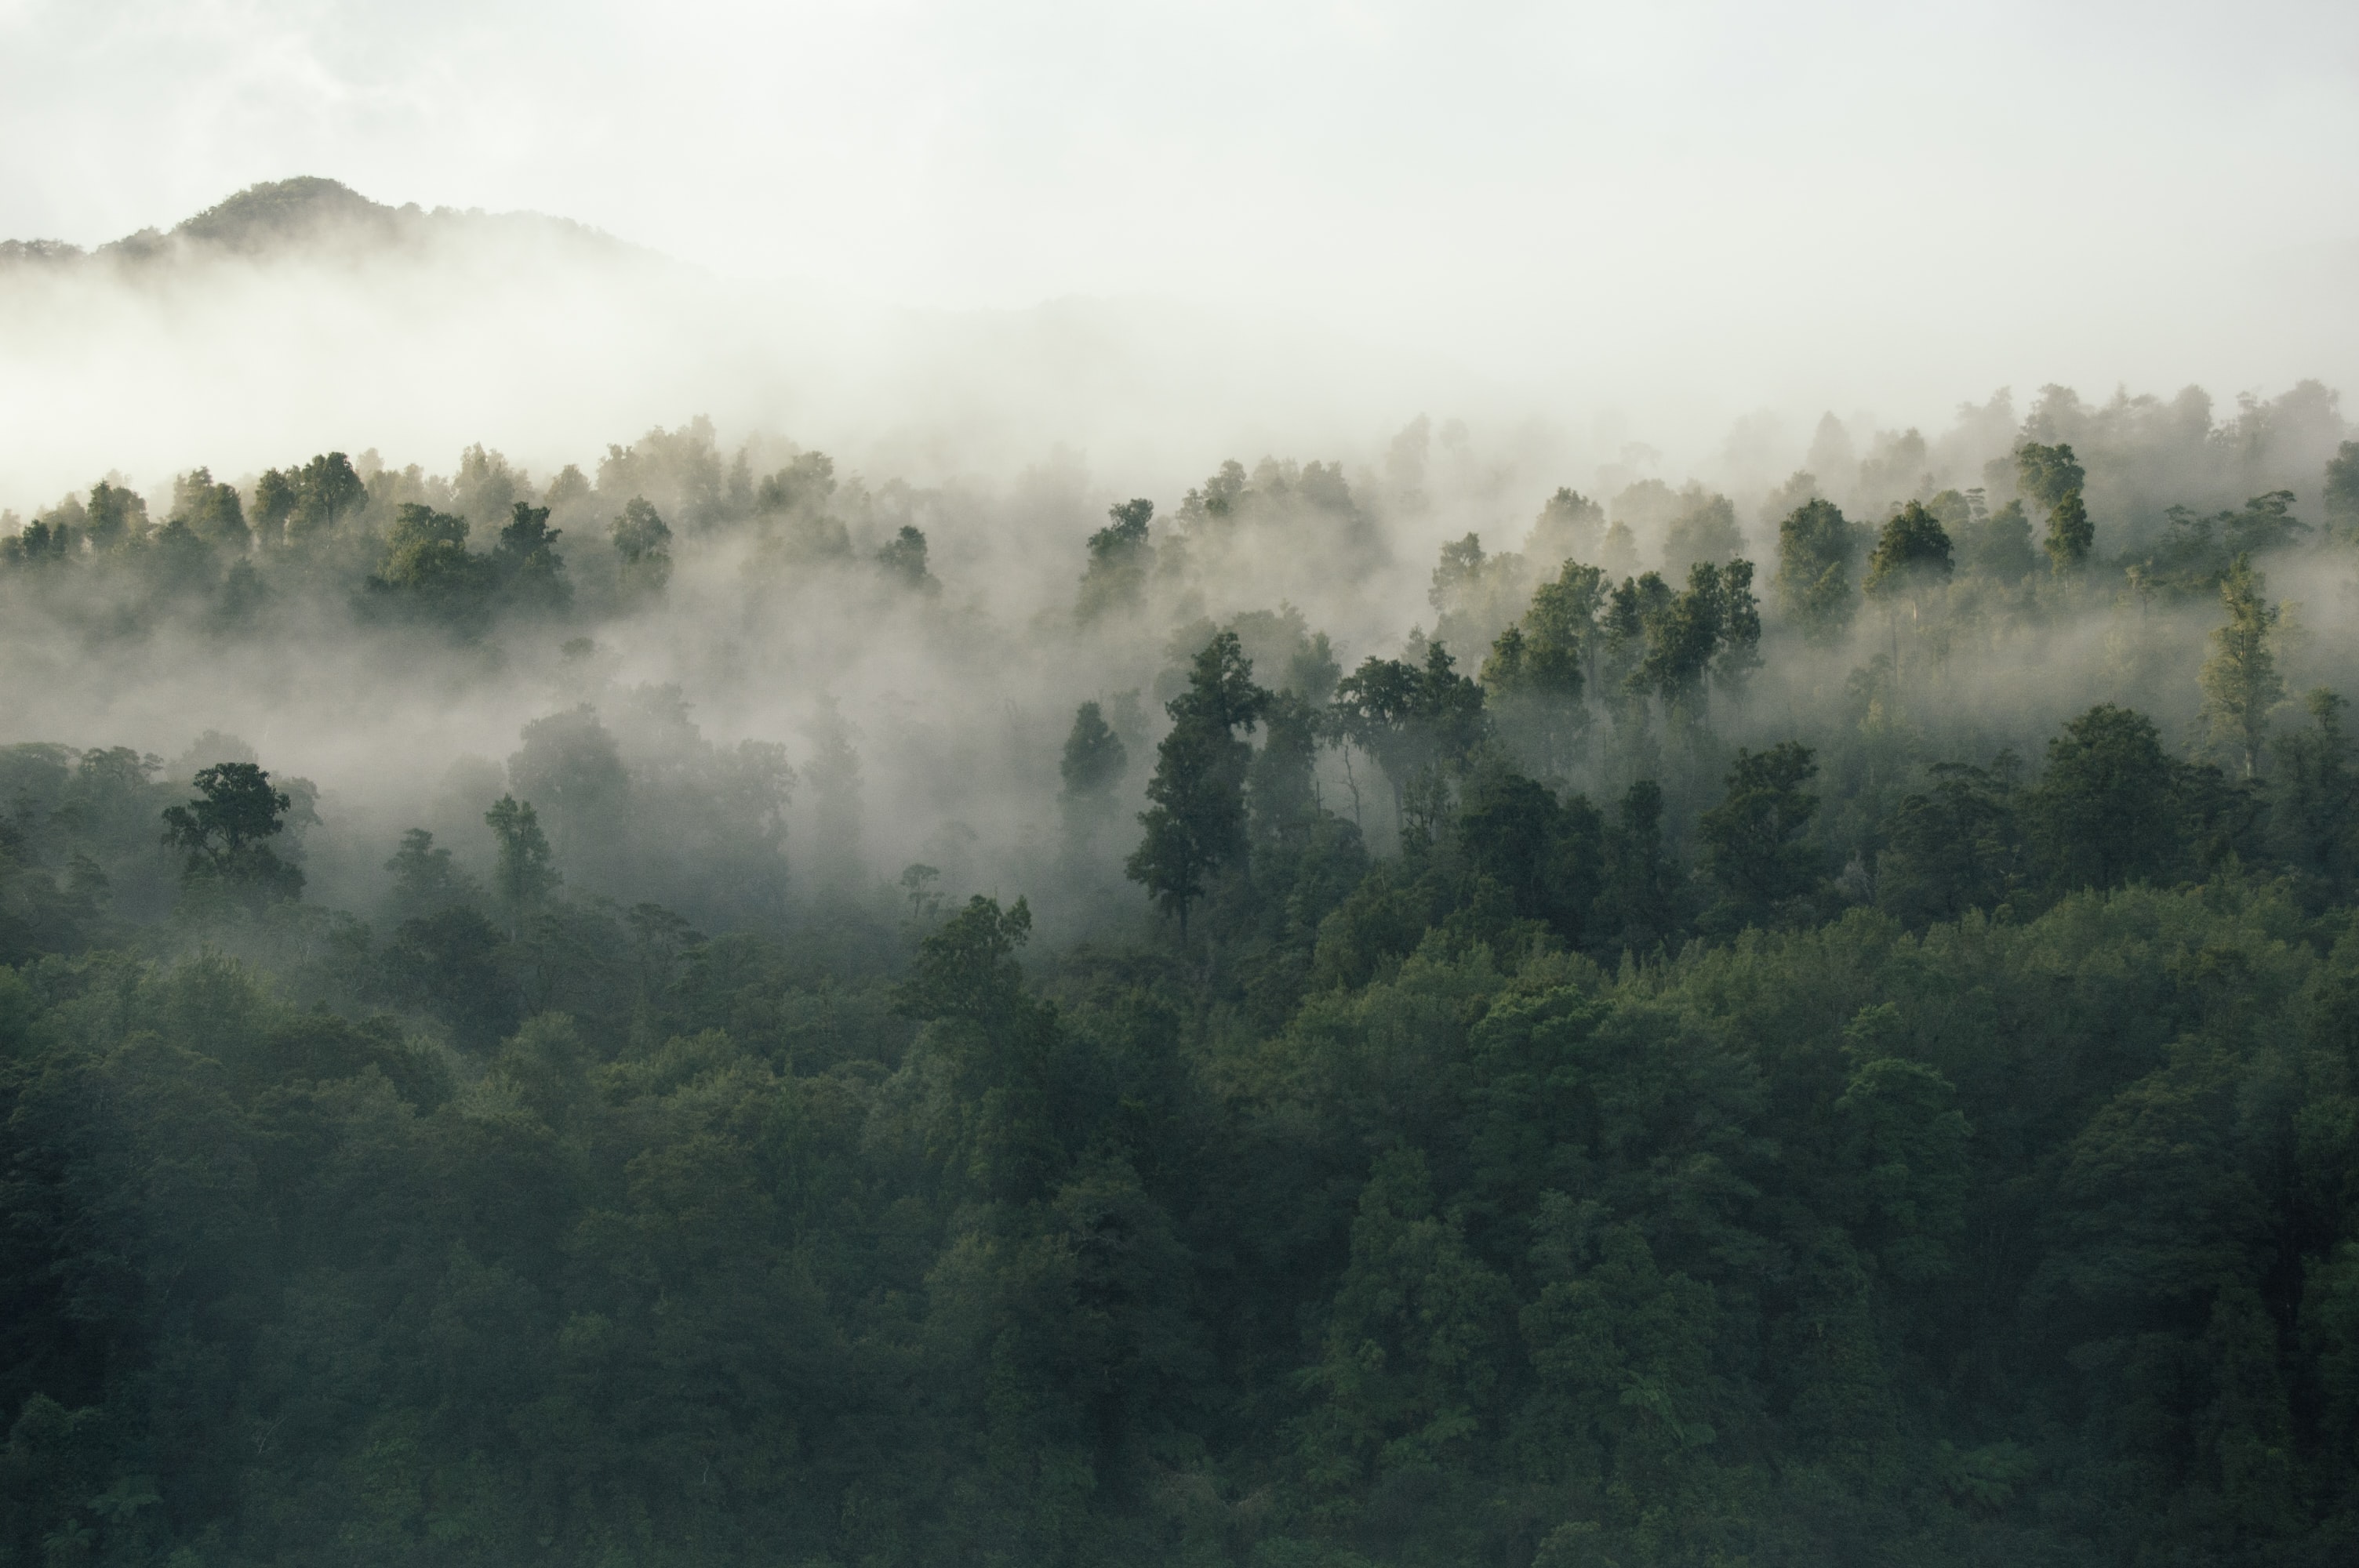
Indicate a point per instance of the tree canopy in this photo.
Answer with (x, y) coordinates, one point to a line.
(692, 1032)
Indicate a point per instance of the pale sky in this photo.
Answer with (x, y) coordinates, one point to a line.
(1838, 203)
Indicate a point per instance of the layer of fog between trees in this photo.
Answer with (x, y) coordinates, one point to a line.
(907, 659)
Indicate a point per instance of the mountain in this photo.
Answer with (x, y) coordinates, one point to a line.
(310, 214)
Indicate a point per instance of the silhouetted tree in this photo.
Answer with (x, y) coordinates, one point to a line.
(525, 563)
(527, 875)
(644, 541)
(225, 834)
(1117, 575)
(1197, 821)
(903, 560)
(2102, 814)
(1815, 547)
(2240, 680)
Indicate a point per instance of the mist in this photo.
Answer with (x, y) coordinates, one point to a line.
(1288, 495)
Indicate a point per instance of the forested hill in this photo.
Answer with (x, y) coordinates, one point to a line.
(1812, 1027)
(307, 214)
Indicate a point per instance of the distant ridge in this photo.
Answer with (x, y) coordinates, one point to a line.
(309, 213)
(282, 210)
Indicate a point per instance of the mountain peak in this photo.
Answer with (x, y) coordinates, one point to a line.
(309, 213)
(282, 210)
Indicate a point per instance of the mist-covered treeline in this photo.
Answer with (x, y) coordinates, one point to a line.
(705, 1009)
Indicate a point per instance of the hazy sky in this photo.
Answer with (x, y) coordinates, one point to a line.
(1842, 201)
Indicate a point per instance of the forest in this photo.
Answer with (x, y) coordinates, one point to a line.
(708, 1009)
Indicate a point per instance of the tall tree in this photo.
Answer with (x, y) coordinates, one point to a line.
(2003, 551)
(527, 874)
(903, 560)
(1705, 530)
(327, 490)
(2047, 474)
(1540, 667)
(2317, 793)
(1912, 554)
(2342, 491)
(2071, 534)
(225, 834)
(1281, 785)
(273, 502)
(1753, 839)
(1815, 547)
(1638, 907)
(425, 879)
(999, 1044)
(2052, 476)
(1569, 527)
(115, 517)
(1911, 561)
(644, 541)
(1196, 823)
(525, 564)
(1093, 763)
(1708, 631)
(1416, 721)
(1095, 758)
(2103, 812)
(2240, 680)
(1116, 577)
(211, 511)
(427, 560)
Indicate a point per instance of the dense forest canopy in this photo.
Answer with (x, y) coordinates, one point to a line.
(706, 1008)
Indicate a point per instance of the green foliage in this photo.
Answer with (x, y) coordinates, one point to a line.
(1119, 555)
(2069, 533)
(642, 540)
(1886, 1158)
(1476, 596)
(2316, 797)
(1670, 1264)
(1906, 1141)
(2048, 473)
(425, 879)
(1815, 553)
(1420, 722)
(225, 835)
(1195, 821)
(1706, 531)
(2196, 553)
(903, 560)
(2103, 813)
(1710, 631)
(1953, 847)
(309, 503)
(2341, 490)
(527, 874)
(803, 485)
(1408, 1358)
(2003, 551)
(1754, 840)
(2240, 680)
(1569, 527)
(1539, 670)
(525, 564)
(211, 512)
(41, 542)
(1911, 555)
(1095, 758)
(115, 518)
(427, 563)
